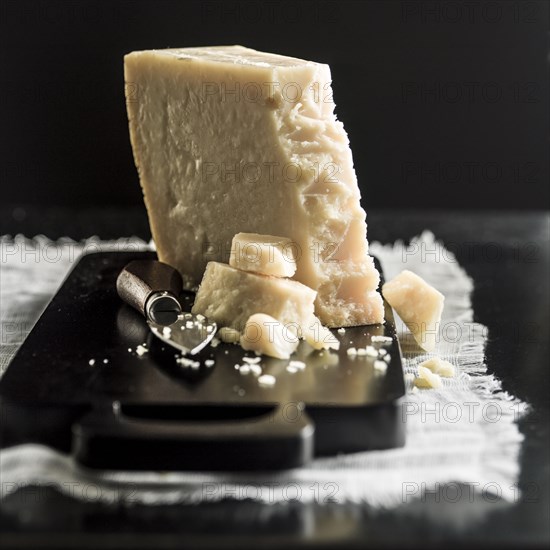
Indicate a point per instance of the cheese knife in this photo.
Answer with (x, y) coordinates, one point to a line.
(153, 288)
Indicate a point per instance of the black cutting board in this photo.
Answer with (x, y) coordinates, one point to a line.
(145, 412)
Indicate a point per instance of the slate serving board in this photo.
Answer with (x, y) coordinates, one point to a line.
(132, 412)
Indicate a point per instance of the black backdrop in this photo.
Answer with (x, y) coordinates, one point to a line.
(446, 103)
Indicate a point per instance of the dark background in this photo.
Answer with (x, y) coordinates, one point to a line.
(446, 103)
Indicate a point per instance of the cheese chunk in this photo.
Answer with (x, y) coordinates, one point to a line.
(227, 139)
(320, 337)
(418, 304)
(264, 334)
(427, 379)
(439, 366)
(229, 335)
(263, 254)
(229, 296)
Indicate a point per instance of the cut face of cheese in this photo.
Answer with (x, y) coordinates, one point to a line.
(418, 304)
(263, 254)
(226, 140)
(230, 296)
(264, 334)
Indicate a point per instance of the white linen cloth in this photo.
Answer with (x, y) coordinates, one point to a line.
(463, 433)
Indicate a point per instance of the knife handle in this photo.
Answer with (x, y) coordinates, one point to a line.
(153, 288)
(188, 437)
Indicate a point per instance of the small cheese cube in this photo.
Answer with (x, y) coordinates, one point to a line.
(229, 296)
(418, 304)
(229, 335)
(263, 254)
(264, 334)
(438, 366)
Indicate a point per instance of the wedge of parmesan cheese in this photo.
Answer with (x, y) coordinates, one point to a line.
(418, 304)
(229, 296)
(264, 334)
(263, 254)
(228, 139)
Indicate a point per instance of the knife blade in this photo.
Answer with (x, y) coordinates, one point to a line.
(153, 289)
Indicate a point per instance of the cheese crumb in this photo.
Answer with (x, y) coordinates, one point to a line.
(380, 366)
(91, 362)
(381, 340)
(426, 379)
(166, 331)
(371, 351)
(298, 365)
(209, 362)
(256, 370)
(352, 352)
(244, 369)
(439, 366)
(141, 350)
(342, 330)
(266, 380)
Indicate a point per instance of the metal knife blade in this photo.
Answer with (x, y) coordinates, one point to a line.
(190, 333)
(152, 288)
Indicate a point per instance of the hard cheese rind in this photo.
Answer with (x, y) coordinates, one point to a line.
(229, 296)
(227, 139)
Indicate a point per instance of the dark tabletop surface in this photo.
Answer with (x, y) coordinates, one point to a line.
(506, 253)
